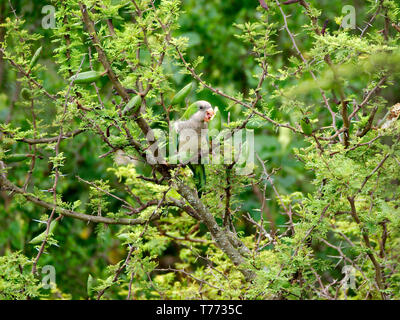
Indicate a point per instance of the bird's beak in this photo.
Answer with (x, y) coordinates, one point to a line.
(209, 115)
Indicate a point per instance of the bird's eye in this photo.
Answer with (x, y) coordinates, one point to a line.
(201, 107)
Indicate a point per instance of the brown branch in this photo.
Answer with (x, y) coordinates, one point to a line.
(396, 27)
(346, 122)
(189, 275)
(109, 193)
(33, 160)
(118, 272)
(382, 242)
(264, 209)
(347, 259)
(28, 76)
(380, 164)
(378, 271)
(219, 235)
(313, 19)
(290, 2)
(45, 140)
(368, 126)
(185, 238)
(368, 97)
(7, 185)
(261, 230)
(107, 66)
(228, 193)
(369, 23)
(56, 172)
(286, 26)
(368, 143)
(269, 179)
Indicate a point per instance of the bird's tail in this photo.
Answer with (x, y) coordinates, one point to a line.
(199, 175)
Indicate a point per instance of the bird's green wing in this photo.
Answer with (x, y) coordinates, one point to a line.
(174, 154)
(191, 110)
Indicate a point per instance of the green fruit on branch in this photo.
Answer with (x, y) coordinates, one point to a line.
(42, 236)
(182, 94)
(35, 58)
(86, 77)
(26, 94)
(16, 158)
(132, 105)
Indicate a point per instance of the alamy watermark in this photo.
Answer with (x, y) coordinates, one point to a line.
(349, 277)
(205, 147)
(349, 20)
(49, 20)
(49, 277)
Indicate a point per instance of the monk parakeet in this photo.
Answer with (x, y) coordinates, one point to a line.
(192, 138)
(306, 126)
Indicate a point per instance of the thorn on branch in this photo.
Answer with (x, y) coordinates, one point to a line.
(324, 27)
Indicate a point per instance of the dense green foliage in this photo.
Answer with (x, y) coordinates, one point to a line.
(319, 209)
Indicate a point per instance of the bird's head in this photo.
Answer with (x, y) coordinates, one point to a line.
(205, 111)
